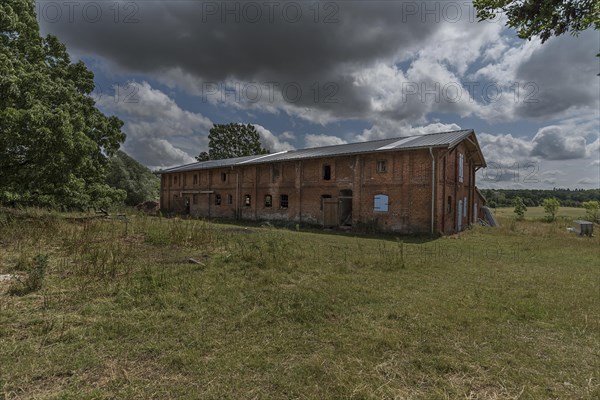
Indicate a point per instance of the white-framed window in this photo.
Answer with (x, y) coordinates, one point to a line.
(461, 167)
(380, 203)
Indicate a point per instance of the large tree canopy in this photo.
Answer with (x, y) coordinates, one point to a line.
(54, 142)
(129, 175)
(232, 140)
(543, 18)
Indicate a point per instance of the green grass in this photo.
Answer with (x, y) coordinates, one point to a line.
(276, 314)
(538, 212)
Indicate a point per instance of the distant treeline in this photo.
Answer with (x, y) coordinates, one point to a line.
(534, 198)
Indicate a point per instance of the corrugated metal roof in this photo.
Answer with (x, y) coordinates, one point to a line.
(442, 139)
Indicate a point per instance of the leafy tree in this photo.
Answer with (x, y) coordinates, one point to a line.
(592, 210)
(520, 207)
(232, 140)
(551, 207)
(136, 180)
(542, 18)
(54, 142)
(203, 156)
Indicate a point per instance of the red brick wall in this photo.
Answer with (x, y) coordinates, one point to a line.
(406, 181)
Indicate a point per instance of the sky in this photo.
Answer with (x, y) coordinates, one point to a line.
(315, 73)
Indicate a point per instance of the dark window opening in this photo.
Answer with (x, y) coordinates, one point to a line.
(217, 199)
(283, 201)
(268, 201)
(324, 196)
(195, 199)
(175, 180)
(229, 199)
(449, 210)
(195, 179)
(275, 172)
(223, 177)
(382, 166)
(327, 172)
(247, 200)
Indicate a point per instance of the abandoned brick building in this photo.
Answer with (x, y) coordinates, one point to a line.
(416, 184)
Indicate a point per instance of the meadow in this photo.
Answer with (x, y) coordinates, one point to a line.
(571, 213)
(115, 308)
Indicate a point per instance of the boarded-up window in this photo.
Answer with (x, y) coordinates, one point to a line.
(324, 196)
(381, 203)
(461, 167)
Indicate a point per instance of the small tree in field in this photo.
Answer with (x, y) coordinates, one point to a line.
(592, 210)
(551, 207)
(520, 207)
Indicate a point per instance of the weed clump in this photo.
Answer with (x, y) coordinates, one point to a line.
(35, 277)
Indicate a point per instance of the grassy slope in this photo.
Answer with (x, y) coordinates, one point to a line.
(504, 313)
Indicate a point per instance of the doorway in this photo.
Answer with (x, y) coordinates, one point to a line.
(330, 212)
(345, 208)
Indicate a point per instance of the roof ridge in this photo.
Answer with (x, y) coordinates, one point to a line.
(381, 140)
(253, 158)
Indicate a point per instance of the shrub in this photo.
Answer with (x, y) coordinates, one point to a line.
(520, 207)
(34, 279)
(592, 210)
(551, 207)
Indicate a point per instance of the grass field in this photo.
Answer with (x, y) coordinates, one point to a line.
(538, 212)
(284, 314)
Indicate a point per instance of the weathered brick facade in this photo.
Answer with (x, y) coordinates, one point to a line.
(338, 190)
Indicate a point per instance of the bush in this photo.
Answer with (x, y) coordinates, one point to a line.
(551, 207)
(592, 210)
(34, 279)
(520, 207)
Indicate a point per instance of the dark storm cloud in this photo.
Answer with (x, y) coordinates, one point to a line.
(564, 73)
(189, 35)
(274, 41)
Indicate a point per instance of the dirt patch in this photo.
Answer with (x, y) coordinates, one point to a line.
(7, 277)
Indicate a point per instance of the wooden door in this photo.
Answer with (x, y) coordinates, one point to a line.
(330, 212)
